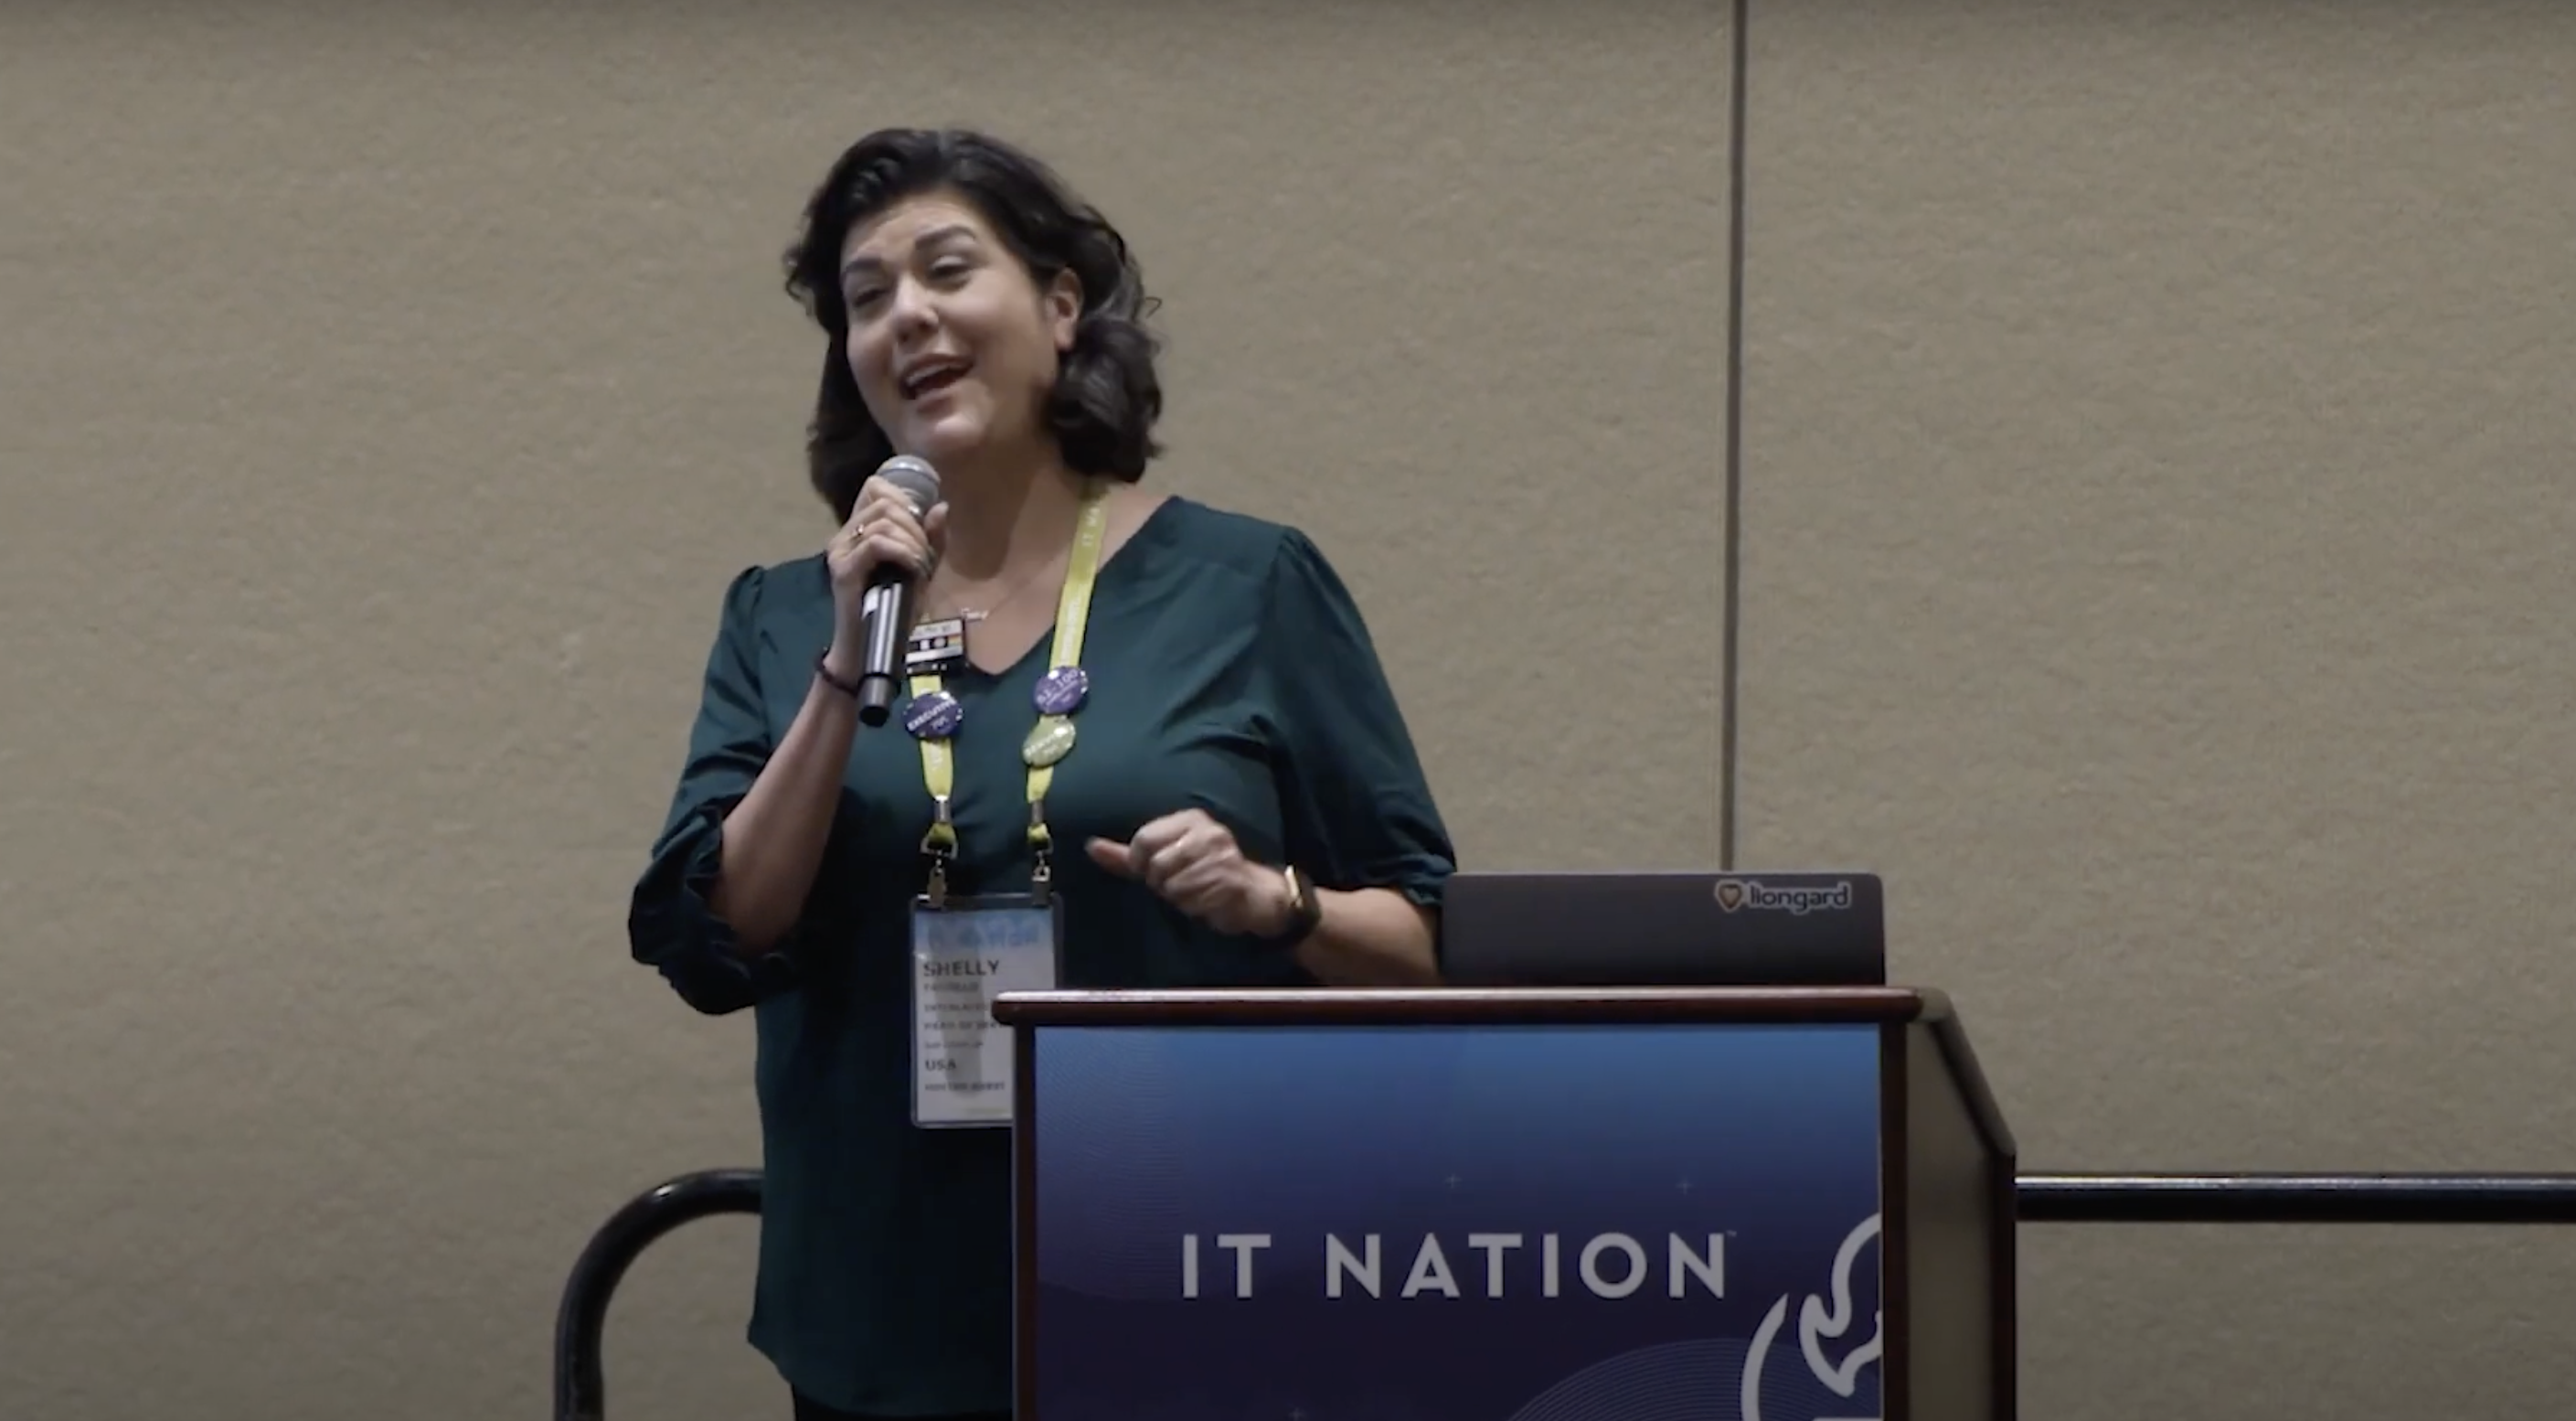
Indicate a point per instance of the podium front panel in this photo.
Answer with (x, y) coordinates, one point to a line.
(1460, 1222)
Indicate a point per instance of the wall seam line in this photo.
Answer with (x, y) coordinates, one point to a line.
(1730, 606)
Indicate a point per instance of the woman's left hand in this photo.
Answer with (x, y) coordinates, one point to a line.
(1193, 863)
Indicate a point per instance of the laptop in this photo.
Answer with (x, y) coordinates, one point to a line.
(1809, 928)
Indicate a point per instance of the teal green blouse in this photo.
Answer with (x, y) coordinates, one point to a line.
(1230, 671)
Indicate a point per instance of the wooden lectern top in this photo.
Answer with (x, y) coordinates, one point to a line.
(1357, 1006)
(1922, 1007)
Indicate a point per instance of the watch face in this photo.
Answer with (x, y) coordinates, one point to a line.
(1304, 913)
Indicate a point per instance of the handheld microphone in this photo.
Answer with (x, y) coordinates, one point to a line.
(885, 608)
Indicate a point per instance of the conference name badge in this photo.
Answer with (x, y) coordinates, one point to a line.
(964, 955)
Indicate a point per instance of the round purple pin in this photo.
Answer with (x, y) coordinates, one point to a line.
(933, 717)
(1062, 690)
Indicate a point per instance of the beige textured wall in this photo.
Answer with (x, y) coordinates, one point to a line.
(2153, 563)
(2158, 526)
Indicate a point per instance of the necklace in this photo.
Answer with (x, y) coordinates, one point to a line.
(935, 713)
(972, 615)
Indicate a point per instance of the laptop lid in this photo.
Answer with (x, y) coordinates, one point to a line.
(1806, 928)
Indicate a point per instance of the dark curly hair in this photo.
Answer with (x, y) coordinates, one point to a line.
(1106, 395)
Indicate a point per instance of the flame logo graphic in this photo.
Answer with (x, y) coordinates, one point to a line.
(1817, 1321)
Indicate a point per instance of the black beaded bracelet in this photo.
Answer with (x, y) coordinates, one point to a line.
(847, 688)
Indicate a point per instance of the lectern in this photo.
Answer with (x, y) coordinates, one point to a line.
(1768, 1204)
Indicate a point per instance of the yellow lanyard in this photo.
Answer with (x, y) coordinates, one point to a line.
(1060, 693)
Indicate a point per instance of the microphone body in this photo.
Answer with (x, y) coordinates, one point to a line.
(886, 606)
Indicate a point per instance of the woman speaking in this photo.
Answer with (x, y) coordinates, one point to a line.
(1140, 742)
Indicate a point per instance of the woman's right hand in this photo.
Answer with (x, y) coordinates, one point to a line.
(881, 530)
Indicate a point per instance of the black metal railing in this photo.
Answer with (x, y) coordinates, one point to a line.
(2469, 1199)
(2297, 1198)
(581, 1319)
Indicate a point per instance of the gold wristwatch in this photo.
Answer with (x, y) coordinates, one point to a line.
(1304, 911)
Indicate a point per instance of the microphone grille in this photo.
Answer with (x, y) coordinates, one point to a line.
(915, 477)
